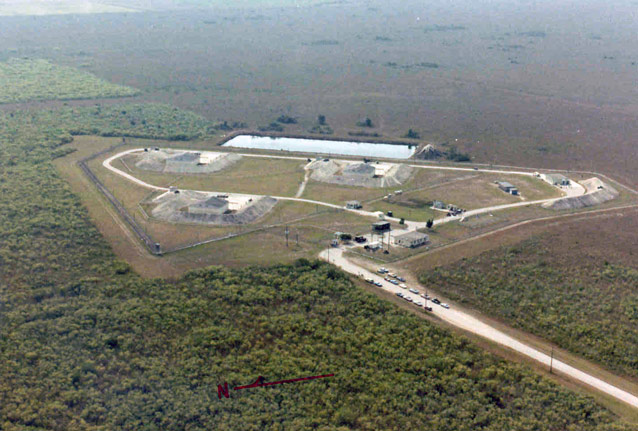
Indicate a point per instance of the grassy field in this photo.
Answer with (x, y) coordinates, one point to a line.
(573, 285)
(527, 109)
(251, 175)
(311, 228)
(478, 191)
(24, 80)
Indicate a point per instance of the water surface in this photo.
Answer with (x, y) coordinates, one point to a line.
(344, 148)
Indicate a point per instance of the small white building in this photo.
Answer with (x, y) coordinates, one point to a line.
(353, 205)
(411, 239)
(556, 179)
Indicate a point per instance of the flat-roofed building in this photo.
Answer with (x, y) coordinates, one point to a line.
(411, 239)
(507, 187)
(556, 179)
(381, 226)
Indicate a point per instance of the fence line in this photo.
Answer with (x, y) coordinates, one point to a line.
(147, 240)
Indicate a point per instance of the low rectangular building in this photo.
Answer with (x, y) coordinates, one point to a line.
(556, 179)
(411, 239)
(381, 226)
(353, 205)
(507, 187)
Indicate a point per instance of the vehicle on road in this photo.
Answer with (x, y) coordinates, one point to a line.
(407, 298)
(399, 294)
(428, 308)
(436, 301)
(400, 278)
(392, 274)
(419, 303)
(444, 305)
(403, 286)
(382, 270)
(396, 283)
(370, 280)
(378, 284)
(413, 290)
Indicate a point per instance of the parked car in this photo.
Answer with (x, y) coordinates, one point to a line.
(399, 294)
(403, 286)
(392, 274)
(428, 308)
(396, 283)
(419, 303)
(370, 280)
(400, 278)
(407, 298)
(413, 290)
(378, 284)
(444, 305)
(436, 301)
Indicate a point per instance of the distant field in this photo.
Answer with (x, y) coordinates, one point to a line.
(23, 80)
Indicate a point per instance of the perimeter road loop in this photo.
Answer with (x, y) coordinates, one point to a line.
(454, 317)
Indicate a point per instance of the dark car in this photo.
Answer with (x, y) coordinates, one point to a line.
(399, 294)
(436, 301)
(428, 308)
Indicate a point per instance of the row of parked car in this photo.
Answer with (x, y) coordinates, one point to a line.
(395, 279)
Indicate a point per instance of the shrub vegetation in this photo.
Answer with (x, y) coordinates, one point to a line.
(23, 80)
(85, 344)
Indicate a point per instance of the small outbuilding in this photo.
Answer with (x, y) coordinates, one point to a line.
(439, 205)
(353, 205)
(381, 226)
(556, 179)
(507, 187)
(364, 169)
(411, 239)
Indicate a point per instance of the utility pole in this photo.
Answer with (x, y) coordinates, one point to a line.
(297, 235)
(287, 232)
(551, 362)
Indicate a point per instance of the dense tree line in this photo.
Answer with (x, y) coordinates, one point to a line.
(85, 344)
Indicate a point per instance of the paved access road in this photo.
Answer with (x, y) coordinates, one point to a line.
(475, 326)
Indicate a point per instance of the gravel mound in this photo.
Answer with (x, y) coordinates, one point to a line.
(185, 162)
(598, 193)
(358, 174)
(173, 208)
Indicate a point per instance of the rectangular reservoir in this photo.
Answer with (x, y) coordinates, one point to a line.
(321, 146)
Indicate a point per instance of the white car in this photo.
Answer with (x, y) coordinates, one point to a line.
(444, 305)
(419, 303)
(403, 286)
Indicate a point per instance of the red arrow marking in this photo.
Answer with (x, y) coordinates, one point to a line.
(260, 381)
